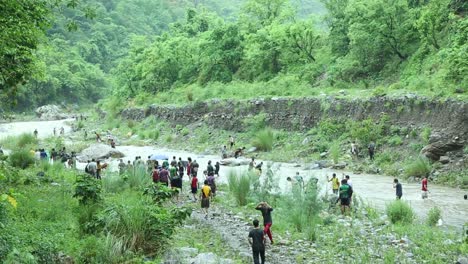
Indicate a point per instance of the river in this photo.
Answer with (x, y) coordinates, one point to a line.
(376, 190)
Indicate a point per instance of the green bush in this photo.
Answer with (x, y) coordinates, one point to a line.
(25, 140)
(87, 189)
(263, 140)
(400, 212)
(419, 167)
(433, 216)
(21, 159)
(395, 141)
(239, 187)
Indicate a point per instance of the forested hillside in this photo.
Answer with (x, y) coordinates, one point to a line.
(168, 51)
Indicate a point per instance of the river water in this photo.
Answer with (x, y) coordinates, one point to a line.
(376, 190)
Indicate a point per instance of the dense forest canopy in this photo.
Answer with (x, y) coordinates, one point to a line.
(71, 51)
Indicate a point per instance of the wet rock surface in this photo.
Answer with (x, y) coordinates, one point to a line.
(98, 152)
(50, 112)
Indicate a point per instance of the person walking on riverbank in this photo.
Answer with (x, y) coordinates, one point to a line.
(35, 133)
(122, 167)
(335, 183)
(205, 197)
(210, 169)
(266, 210)
(424, 189)
(398, 189)
(194, 187)
(164, 176)
(345, 193)
(257, 242)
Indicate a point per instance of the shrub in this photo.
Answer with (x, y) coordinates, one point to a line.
(419, 167)
(139, 223)
(26, 140)
(395, 141)
(400, 212)
(263, 140)
(21, 159)
(87, 189)
(433, 216)
(239, 187)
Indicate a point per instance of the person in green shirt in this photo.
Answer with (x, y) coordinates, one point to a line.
(345, 193)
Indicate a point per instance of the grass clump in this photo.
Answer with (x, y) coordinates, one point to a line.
(400, 212)
(419, 167)
(239, 187)
(433, 216)
(263, 140)
(21, 159)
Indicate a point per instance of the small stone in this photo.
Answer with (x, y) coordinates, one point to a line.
(462, 260)
(409, 255)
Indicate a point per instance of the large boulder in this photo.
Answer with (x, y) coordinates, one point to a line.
(99, 151)
(439, 146)
(50, 112)
(234, 161)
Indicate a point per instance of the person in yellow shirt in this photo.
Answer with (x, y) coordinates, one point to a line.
(335, 183)
(205, 197)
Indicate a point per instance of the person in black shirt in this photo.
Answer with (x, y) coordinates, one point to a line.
(266, 210)
(257, 241)
(399, 189)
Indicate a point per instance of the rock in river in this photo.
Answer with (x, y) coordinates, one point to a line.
(99, 151)
(234, 161)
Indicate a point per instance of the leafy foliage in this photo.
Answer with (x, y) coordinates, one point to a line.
(433, 216)
(419, 167)
(400, 212)
(263, 140)
(87, 189)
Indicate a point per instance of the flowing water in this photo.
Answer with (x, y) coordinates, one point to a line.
(376, 190)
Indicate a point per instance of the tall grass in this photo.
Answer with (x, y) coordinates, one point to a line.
(21, 158)
(335, 151)
(419, 167)
(433, 216)
(263, 140)
(400, 212)
(25, 140)
(140, 179)
(239, 187)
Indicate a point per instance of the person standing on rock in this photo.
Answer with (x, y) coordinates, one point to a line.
(205, 197)
(266, 210)
(257, 242)
(224, 152)
(398, 188)
(335, 183)
(424, 189)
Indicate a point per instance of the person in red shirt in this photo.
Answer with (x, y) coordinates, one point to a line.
(194, 186)
(424, 188)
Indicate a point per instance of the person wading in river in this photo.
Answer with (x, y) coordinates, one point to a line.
(335, 183)
(424, 189)
(257, 241)
(266, 210)
(398, 188)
